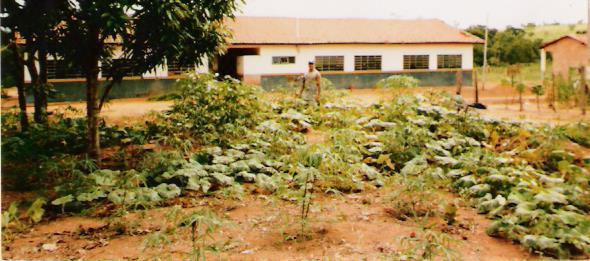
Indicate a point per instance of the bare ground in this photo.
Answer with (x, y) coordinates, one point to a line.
(502, 104)
(351, 227)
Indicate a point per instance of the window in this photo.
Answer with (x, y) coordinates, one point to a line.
(329, 63)
(121, 65)
(415, 62)
(58, 69)
(449, 61)
(283, 59)
(176, 68)
(367, 62)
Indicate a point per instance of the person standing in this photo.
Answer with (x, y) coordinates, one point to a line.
(312, 84)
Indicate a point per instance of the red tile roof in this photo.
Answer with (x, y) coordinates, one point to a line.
(582, 38)
(275, 30)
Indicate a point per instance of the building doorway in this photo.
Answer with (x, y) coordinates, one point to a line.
(227, 64)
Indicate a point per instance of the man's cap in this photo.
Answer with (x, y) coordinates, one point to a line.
(311, 62)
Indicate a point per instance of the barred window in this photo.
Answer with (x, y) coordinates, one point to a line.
(367, 62)
(176, 68)
(449, 61)
(122, 65)
(416, 62)
(59, 69)
(283, 59)
(329, 63)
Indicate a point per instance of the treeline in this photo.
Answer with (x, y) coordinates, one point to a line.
(510, 46)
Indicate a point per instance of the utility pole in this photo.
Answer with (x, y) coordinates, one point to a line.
(485, 57)
(583, 70)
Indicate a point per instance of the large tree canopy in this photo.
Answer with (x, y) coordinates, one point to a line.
(122, 37)
(510, 46)
(147, 32)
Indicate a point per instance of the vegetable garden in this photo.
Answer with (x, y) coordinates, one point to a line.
(220, 139)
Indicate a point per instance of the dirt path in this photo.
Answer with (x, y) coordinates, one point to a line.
(351, 227)
(133, 111)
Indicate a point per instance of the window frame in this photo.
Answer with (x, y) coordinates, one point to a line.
(335, 63)
(446, 63)
(177, 68)
(279, 60)
(364, 62)
(105, 74)
(59, 69)
(412, 61)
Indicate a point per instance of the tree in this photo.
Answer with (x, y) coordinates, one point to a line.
(538, 91)
(513, 71)
(39, 35)
(479, 31)
(520, 87)
(13, 74)
(509, 46)
(150, 32)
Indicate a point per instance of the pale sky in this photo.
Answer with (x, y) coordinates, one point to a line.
(460, 13)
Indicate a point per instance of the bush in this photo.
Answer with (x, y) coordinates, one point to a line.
(208, 111)
(398, 81)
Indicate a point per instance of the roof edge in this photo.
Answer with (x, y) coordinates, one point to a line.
(320, 43)
(561, 38)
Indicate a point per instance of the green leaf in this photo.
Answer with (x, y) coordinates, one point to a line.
(90, 196)
(168, 191)
(36, 211)
(550, 197)
(63, 200)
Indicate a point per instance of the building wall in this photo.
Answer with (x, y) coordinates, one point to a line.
(160, 72)
(567, 53)
(392, 56)
(368, 80)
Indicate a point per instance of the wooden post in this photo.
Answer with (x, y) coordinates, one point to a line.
(583, 89)
(553, 94)
(543, 65)
(459, 81)
(476, 87)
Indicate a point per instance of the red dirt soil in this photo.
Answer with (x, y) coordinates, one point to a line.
(351, 227)
(502, 104)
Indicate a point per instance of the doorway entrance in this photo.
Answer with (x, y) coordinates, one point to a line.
(227, 64)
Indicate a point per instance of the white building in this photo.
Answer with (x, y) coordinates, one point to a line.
(273, 52)
(355, 52)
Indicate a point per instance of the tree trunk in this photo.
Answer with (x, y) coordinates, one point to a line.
(20, 86)
(92, 109)
(520, 101)
(39, 114)
(43, 88)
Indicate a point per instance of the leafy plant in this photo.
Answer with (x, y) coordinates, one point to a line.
(203, 224)
(520, 88)
(208, 111)
(538, 91)
(430, 246)
(398, 81)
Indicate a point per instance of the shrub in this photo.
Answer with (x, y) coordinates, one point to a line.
(398, 81)
(209, 111)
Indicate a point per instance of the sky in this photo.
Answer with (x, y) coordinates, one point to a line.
(460, 13)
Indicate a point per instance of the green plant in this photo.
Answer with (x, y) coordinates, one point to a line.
(208, 112)
(203, 224)
(398, 81)
(430, 246)
(520, 88)
(538, 91)
(36, 211)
